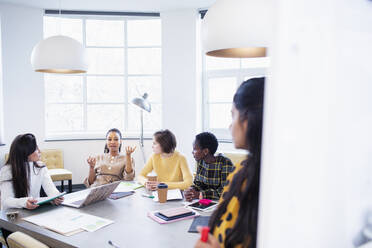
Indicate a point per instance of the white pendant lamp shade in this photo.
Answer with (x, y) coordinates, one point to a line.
(59, 54)
(237, 28)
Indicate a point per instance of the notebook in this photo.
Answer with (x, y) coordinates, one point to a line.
(85, 197)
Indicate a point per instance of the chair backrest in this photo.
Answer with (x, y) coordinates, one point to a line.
(22, 240)
(235, 157)
(53, 158)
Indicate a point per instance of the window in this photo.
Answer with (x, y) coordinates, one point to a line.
(221, 78)
(124, 62)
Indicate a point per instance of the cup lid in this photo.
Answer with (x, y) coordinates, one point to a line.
(162, 186)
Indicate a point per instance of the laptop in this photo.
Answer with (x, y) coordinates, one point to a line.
(88, 196)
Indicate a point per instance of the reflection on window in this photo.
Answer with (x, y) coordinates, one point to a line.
(124, 62)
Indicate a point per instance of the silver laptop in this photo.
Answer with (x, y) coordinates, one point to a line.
(85, 197)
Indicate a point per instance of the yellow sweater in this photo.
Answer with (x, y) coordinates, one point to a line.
(173, 170)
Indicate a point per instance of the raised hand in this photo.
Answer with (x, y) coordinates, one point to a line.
(129, 150)
(92, 162)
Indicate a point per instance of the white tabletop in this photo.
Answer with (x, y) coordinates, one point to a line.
(131, 228)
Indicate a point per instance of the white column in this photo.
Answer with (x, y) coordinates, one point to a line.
(179, 72)
(316, 183)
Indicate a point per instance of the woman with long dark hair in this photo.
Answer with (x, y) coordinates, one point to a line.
(234, 223)
(23, 175)
(111, 165)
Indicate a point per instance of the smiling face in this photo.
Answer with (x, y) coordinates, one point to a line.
(113, 141)
(238, 129)
(35, 156)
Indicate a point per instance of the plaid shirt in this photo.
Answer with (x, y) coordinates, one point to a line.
(211, 178)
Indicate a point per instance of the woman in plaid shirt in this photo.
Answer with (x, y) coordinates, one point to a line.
(212, 170)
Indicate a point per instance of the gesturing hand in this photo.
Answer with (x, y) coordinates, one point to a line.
(129, 150)
(92, 162)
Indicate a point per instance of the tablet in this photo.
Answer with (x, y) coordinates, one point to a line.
(174, 217)
(49, 199)
(174, 212)
(198, 206)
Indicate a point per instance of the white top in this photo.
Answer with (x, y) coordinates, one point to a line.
(38, 177)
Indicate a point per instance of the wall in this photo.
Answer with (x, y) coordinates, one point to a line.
(179, 76)
(316, 172)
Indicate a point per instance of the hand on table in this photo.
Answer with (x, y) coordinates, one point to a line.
(191, 194)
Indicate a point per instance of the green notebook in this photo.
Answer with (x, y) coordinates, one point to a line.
(49, 199)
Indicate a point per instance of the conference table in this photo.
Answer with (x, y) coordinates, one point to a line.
(131, 228)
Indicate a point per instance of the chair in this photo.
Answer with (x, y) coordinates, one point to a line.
(22, 240)
(235, 156)
(53, 158)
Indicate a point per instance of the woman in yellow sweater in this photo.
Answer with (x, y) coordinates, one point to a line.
(169, 165)
(234, 223)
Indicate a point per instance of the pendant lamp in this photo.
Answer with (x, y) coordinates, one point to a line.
(237, 28)
(59, 54)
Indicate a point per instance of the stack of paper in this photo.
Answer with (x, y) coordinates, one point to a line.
(68, 221)
(128, 186)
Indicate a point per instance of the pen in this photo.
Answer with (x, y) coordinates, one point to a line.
(204, 234)
(112, 244)
(148, 196)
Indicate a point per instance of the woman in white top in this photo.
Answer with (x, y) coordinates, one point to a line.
(23, 175)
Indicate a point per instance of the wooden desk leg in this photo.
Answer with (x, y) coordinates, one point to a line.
(69, 186)
(62, 186)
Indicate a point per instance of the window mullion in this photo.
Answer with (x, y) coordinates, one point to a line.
(85, 88)
(126, 88)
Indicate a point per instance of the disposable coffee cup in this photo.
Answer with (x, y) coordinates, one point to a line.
(162, 192)
(152, 177)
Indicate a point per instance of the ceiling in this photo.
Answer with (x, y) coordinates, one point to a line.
(116, 5)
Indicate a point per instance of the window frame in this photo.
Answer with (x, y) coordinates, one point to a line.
(85, 133)
(240, 74)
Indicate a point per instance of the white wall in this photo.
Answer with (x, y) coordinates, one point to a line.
(22, 28)
(180, 79)
(316, 172)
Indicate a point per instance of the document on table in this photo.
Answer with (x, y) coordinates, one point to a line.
(127, 186)
(68, 221)
(172, 194)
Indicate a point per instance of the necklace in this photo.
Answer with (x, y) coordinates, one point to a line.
(112, 160)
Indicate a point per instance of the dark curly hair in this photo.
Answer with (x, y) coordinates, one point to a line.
(207, 140)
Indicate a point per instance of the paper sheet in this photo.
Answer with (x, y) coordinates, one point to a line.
(128, 186)
(68, 221)
(172, 194)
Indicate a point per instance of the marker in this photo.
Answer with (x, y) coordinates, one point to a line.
(112, 244)
(204, 234)
(148, 196)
